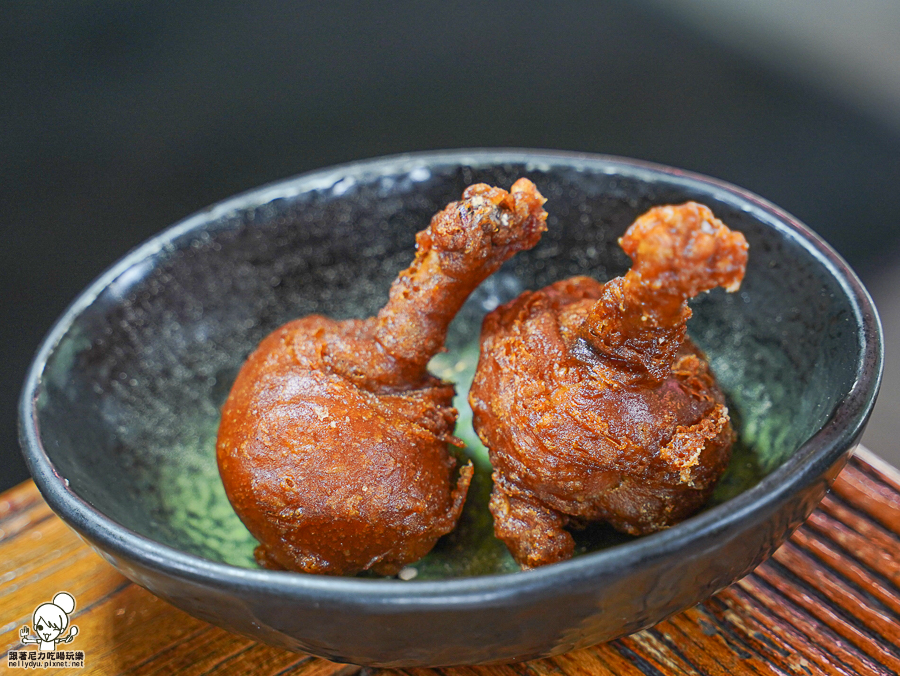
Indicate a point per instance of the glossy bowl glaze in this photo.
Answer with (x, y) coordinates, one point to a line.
(120, 408)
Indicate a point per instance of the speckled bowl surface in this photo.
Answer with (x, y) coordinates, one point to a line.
(121, 406)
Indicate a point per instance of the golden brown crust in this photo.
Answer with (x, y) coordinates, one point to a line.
(592, 402)
(333, 441)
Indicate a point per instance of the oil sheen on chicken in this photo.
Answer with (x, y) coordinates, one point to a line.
(593, 403)
(333, 441)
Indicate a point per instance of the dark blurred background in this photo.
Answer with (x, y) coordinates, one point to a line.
(118, 119)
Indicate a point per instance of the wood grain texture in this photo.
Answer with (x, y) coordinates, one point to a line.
(827, 602)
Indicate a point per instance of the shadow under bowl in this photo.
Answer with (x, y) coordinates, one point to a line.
(121, 406)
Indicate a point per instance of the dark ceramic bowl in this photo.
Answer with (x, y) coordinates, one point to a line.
(121, 406)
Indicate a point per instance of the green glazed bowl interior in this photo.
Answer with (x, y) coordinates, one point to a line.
(121, 409)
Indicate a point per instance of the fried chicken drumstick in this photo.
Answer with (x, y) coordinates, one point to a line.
(333, 441)
(593, 403)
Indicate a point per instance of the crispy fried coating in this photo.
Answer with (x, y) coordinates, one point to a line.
(333, 441)
(592, 401)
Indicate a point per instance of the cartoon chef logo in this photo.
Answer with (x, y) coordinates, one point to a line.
(50, 622)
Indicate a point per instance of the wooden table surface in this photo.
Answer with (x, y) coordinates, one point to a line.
(827, 602)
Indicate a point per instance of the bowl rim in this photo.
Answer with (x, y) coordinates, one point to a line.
(811, 460)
